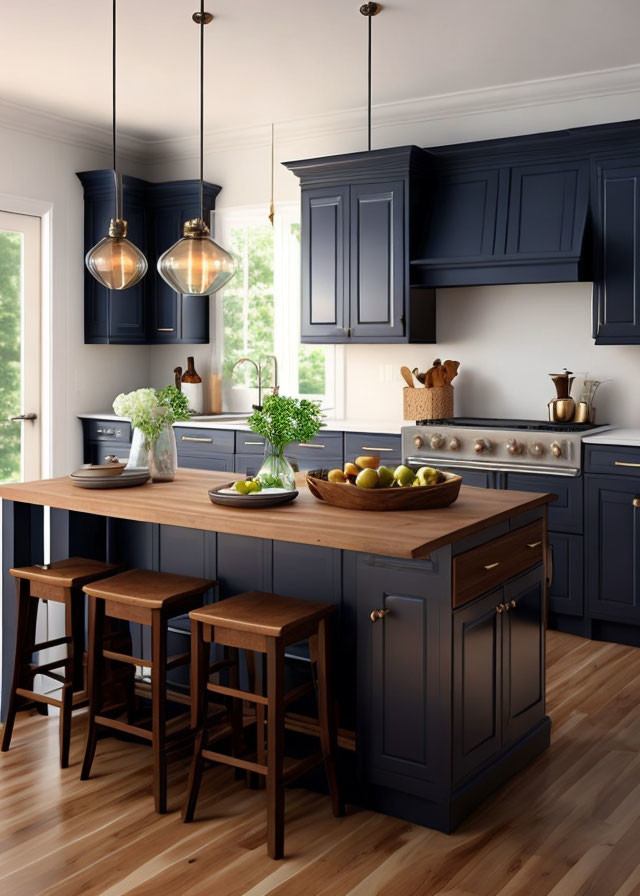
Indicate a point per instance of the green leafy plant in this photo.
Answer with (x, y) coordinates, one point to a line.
(172, 397)
(283, 420)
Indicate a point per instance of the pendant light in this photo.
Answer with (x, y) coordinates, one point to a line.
(115, 262)
(196, 265)
(369, 10)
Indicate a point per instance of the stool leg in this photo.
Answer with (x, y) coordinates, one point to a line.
(199, 676)
(94, 676)
(158, 709)
(77, 639)
(235, 706)
(326, 716)
(275, 748)
(25, 639)
(67, 687)
(254, 781)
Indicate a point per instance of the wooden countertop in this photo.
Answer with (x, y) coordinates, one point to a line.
(185, 502)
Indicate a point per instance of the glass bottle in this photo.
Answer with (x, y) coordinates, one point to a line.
(192, 387)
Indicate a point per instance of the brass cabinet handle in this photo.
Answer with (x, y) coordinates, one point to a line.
(370, 448)
(512, 604)
(378, 614)
(636, 502)
(165, 329)
(492, 565)
(499, 608)
(534, 544)
(622, 463)
(254, 443)
(309, 445)
(195, 439)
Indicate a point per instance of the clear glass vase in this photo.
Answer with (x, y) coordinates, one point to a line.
(139, 452)
(276, 471)
(163, 456)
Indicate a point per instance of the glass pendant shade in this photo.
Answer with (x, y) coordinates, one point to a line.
(115, 262)
(196, 265)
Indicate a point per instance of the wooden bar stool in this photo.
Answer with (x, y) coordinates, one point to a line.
(149, 598)
(267, 624)
(59, 582)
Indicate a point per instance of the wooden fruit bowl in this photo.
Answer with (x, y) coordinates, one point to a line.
(343, 494)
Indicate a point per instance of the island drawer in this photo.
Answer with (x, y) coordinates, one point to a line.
(387, 447)
(325, 444)
(621, 460)
(204, 441)
(249, 443)
(481, 569)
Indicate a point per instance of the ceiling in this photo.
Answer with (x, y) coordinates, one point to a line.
(282, 60)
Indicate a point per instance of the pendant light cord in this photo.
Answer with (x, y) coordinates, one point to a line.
(202, 24)
(369, 17)
(113, 121)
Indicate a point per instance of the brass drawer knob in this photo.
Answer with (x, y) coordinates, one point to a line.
(512, 604)
(636, 502)
(378, 614)
(492, 565)
(499, 608)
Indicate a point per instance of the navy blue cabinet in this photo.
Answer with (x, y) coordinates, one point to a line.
(151, 311)
(612, 532)
(616, 292)
(357, 212)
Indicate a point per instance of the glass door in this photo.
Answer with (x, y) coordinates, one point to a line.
(20, 348)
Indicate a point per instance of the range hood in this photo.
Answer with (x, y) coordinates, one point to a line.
(505, 223)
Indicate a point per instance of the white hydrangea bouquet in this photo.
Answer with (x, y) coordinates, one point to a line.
(152, 414)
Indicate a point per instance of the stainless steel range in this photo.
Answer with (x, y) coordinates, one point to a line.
(526, 446)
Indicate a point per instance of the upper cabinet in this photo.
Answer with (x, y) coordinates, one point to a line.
(616, 291)
(150, 312)
(505, 223)
(358, 214)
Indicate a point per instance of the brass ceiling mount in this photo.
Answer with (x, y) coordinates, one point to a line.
(370, 9)
(203, 18)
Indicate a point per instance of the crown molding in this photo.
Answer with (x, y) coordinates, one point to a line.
(387, 116)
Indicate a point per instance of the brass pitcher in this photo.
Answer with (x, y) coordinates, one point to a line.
(562, 408)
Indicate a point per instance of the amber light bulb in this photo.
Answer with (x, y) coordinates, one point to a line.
(196, 265)
(115, 262)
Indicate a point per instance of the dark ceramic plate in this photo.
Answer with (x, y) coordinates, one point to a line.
(270, 497)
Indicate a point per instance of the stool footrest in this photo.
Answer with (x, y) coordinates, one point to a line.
(56, 642)
(38, 698)
(118, 725)
(296, 694)
(126, 658)
(43, 668)
(235, 761)
(218, 665)
(301, 767)
(235, 692)
(179, 659)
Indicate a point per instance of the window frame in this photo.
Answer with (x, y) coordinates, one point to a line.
(287, 305)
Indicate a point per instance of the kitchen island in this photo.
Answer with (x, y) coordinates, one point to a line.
(439, 641)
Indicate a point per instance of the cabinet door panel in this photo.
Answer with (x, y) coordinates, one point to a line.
(617, 236)
(402, 716)
(565, 513)
(523, 655)
(476, 478)
(613, 548)
(566, 594)
(223, 462)
(464, 216)
(247, 464)
(477, 645)
(377, 260)
(325, 230)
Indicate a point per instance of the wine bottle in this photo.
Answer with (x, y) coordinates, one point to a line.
(192, 387)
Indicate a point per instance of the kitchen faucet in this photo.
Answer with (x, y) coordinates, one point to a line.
(258, 367)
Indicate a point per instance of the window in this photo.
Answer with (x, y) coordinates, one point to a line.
(258, 314)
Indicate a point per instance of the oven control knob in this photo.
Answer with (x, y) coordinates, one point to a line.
(536, 449)
(556, 449)
(454, 444)
(418, 441)
(513, 446)
(481, 445)
(436, 441)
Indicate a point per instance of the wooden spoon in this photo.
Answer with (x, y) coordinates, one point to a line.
(407, 377)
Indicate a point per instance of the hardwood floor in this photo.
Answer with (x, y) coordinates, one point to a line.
(569, 824)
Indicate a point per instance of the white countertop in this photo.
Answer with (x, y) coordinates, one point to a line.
(379, 426)
(621, 436)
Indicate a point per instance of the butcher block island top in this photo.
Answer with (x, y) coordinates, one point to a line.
(185, 502)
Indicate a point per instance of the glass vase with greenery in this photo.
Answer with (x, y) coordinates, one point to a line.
(152, 414)
(281, 421)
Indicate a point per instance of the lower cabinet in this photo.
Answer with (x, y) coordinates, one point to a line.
(498, 671)
(612, 536)
(476, 478)
(211, 461)
(566, 558)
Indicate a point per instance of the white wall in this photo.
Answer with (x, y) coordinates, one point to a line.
(84, 376)
(508, 339)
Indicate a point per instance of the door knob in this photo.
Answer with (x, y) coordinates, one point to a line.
(500, 608)
(636, 502)
(378, 614)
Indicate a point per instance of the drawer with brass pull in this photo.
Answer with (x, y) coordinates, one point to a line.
(386, 447)
(198, 440)
(325, 444)
(483, 568)
(616, 460)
